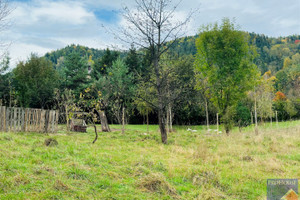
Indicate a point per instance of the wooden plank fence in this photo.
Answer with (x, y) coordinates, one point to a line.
(28, 120)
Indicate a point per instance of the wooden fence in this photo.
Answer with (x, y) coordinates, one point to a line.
(28, 120)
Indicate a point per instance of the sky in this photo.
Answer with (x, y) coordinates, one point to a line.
(41, 26)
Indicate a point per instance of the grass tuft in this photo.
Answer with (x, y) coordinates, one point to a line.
(156, 182)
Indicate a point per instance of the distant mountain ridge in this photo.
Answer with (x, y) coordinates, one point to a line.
(271, 51)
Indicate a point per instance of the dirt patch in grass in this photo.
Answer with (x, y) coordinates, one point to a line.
(21, 180)
(59, 185)
(247, 158)
(156, 182)
(51, 142)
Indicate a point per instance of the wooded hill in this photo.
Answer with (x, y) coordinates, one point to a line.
(123, 76)
(271, 51)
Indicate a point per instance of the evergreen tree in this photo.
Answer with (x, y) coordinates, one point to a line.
(76, 75)
(133, 61)
(106, 61)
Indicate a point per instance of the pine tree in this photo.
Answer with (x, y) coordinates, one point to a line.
(76, 75)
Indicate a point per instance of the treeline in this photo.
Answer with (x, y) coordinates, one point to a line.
(121, 83)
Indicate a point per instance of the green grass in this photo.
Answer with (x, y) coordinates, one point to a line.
(137, 166)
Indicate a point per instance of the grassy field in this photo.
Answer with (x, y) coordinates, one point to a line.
(136, 165)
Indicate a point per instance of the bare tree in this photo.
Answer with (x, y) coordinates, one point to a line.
(5, 11)
(151, 25)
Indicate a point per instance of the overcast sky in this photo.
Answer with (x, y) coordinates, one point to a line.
(41, 26)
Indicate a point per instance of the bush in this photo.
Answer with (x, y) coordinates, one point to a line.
(243, 116)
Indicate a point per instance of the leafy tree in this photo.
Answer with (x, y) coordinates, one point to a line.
(35, 82)
(225, 57)
(279, 96)
(6, 88)
(65, 102)
(117, 88)
(4, 64)
(265, 96)
(90, 103)
(143, 108)
(179, 83)
(279, 105)
(289, 107)
(203, 89)
(243, 115)
(288, 79)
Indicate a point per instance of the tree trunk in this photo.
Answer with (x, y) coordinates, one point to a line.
(167, 122)
(207, 117)
(255, 117)
(10, 99)
(67, 118)
(96, 137)
(161, 107)
(276, 114)
(147, 122)
(162, 126)
(218, 124)
(171, 120)
(104, 123)
(123, 120)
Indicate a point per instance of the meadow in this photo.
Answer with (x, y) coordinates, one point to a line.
(136, 165)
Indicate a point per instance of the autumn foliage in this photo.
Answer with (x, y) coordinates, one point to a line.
(279, 96)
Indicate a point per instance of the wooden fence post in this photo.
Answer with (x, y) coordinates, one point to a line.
(56, 120)
(38, 114)
(53, 121)
(46, 121)
(276, 113)
(23, 120)
(19, 122)
(2, 118)
(26, 120)
(217, 123)
(50, 122)
(35, 120)
(43, 115)
(7, 119)
(14, 118)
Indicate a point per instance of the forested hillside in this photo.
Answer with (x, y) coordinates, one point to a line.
(124, 80)
(271, 52)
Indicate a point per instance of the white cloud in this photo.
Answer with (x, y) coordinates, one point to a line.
(51, 12)
(41, 26)
(45, 25)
